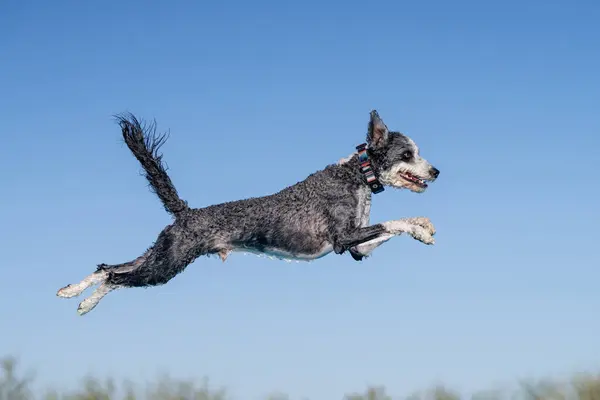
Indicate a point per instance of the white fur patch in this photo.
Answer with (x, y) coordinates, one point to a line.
(76, 289)
(284, 255)
(419, 228)
(397, 227)
(419, 167)
(366, 248)
(91, 302)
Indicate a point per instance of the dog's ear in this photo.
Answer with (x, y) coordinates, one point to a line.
(378, 133)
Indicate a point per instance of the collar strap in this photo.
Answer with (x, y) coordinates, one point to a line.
(367, 169)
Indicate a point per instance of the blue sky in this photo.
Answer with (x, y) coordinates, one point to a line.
(501, 96)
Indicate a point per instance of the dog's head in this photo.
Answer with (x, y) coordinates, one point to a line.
(396, 158)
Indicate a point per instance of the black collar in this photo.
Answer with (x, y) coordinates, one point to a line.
(367, 169)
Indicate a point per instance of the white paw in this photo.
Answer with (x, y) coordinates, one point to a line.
(423, 222)
(422, 235)
(91, 302)
(71, 291)
(87, 305)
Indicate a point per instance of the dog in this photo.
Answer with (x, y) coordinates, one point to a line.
(327, 212)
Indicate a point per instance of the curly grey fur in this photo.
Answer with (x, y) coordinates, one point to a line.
(328, 211)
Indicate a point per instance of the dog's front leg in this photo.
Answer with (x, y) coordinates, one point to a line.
(361, 241)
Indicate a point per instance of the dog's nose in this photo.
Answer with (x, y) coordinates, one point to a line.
(434, 172)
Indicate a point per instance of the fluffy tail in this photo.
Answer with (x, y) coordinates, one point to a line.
(144, 143)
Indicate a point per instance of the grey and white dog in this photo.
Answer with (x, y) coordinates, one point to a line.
(328, 211)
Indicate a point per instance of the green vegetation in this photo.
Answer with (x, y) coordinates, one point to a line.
(13, 386)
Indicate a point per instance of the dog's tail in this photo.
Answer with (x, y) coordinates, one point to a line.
(144, 143)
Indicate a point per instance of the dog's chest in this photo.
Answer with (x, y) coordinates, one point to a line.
(363, 207)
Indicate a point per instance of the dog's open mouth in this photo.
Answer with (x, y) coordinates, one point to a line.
(413, 179)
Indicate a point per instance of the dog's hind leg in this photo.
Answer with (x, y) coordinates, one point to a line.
(100, 276)
(174, 249)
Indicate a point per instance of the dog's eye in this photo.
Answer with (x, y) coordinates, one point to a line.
(407, 155)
